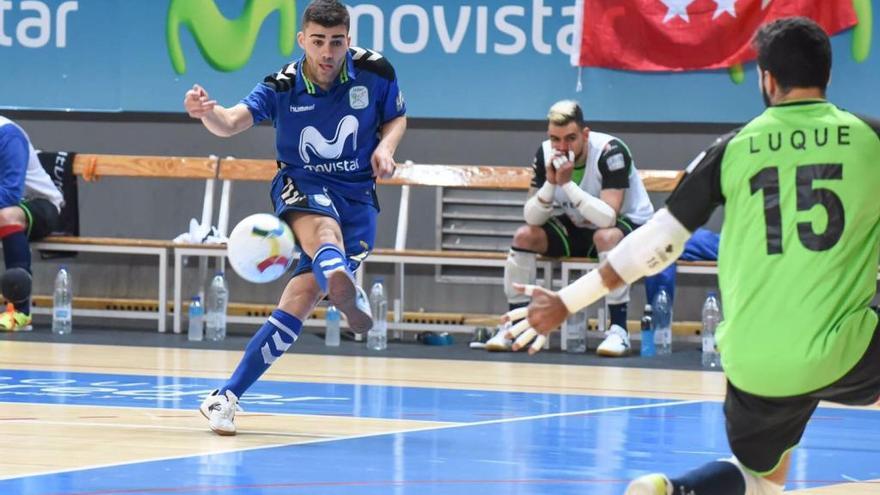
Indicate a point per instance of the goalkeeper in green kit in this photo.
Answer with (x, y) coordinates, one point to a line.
(797, 265)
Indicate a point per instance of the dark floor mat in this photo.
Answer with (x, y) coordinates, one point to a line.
(685, 357)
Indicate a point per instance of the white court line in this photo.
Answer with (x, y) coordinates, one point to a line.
(195, 408)
(369, 435)
(153, 427)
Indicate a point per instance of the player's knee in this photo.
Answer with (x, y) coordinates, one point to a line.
(12, 216)
(606, 239)
(529, 237)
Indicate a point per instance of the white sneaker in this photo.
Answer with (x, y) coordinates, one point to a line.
(499, 342)
(616, 342)
(651, 484)
(351, 300)
(219, 410)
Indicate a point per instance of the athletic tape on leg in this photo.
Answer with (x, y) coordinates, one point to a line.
(521, 267)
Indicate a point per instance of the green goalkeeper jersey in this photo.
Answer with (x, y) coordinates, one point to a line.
(799, 247)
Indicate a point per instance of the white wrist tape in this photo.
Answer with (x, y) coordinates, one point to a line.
(592, 208)
(539, 207)
(545, 194)
(650, 249)
(583, 291)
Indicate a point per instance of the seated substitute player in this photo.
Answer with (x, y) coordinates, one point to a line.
(591, 176)
(339, 116)
(797, 264)
(30, 204)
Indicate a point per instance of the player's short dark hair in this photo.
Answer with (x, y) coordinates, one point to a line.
(327, 13)
(796, 51)
(565, 112)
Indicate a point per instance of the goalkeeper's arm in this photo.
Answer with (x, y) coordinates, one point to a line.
(647, 251)
(539, 207)
(590, 207)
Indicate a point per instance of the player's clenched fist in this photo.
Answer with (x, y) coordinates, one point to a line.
(197, 102)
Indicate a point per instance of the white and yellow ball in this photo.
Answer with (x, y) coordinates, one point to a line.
(261, 248)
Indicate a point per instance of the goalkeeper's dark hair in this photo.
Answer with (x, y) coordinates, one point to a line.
(327, 13)
(796, 51)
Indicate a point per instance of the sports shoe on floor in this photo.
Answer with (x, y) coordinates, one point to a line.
(219, 410)
(651, 484)
(15, 321)
(351, 300)
(499, 342)
(616, 342)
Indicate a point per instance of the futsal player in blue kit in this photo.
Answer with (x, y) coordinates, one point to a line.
(339, 117)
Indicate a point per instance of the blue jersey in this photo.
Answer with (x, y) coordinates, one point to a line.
(326, 138)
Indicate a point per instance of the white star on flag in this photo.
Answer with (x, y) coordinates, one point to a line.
(677, 8)
(728, 6)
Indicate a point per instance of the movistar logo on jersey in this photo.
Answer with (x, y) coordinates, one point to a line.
(312, 142)
(226, 44)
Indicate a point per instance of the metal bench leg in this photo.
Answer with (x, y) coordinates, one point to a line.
(178, 282)
(163, 291)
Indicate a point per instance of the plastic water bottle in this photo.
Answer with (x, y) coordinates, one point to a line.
(196, 319)
(62, 302)
(218, 299)
(711, 319)
(662, 323)
(648, 348)
(575, 332)
(377, 337)
(331, 336)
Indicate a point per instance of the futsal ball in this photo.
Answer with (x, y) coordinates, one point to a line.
(261, 248)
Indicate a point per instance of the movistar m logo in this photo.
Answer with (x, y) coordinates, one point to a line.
(226, 44)
(330, 149)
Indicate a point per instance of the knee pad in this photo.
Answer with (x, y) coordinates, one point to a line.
(617, 296)
(16, 285)
(756, 485)
(521, 267)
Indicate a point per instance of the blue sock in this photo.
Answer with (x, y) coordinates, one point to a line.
(275, 336)
(327, 259)
(715, 478)
(617, 314)
(17, 254)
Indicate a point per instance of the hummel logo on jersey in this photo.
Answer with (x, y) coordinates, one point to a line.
(302, 108)
(329, 149)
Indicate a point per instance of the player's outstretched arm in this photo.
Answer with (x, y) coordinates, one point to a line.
(221, 121)
(647, 251)
(383, 158)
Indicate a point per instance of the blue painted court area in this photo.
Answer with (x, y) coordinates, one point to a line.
(373, 401)
(534, 444)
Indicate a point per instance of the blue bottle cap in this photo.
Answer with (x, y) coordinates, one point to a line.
(196, 299)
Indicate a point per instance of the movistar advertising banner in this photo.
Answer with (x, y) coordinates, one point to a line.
(502, 59)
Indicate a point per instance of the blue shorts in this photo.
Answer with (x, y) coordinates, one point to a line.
(356, 219)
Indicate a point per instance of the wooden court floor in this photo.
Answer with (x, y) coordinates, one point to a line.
(86, 419)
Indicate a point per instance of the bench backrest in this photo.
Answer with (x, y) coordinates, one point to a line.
(414, 174)
(92, 167)
(467, 176)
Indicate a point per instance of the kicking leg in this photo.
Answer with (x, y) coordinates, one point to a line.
(321, 238)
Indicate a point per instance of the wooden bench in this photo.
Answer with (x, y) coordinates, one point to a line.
(406, 176)
(90, 168)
